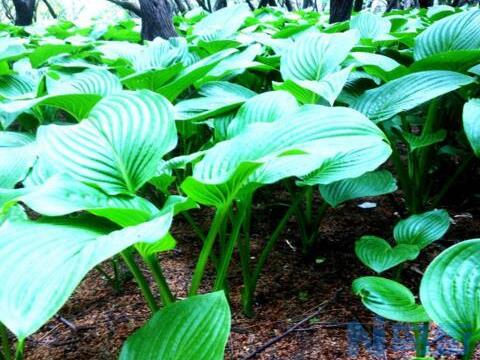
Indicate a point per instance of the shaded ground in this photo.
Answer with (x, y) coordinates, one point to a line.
(96, 321)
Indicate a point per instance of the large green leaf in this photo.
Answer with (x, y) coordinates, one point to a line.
(455, 32)
(369, 184)
(315, 55)
(471, 124)
(75, 94)
(17, 155)
(195, 328)
(62, 195)
(389, 299)
(101, 149)
(379, 256)
(370, 26)
(266, 107)
(191, 74)
(14, 87)
(319, 144)
(218, 97)
(408, 92)
(44, 261)
(152, 79)
(450, 291)
(223, 23)
(423, 229)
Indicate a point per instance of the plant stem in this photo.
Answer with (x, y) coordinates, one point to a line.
(272, 241)
(5, 343)
(469, 348)
(20, 349)
(420, 332)
(222, 270)
(218, 220)
(309, 204)
(140, 279)
(157, 272)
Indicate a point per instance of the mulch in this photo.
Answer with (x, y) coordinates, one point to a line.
(96, 320)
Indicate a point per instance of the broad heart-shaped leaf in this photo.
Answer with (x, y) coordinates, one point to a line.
(315, 55)
(77, 105)
(327, 144)
(373, 183)
(218, 97)
(90, 81)
(195, 328)
(408, 92)
(266, 107)
(312, 91)
(223, 23)
(14, 87)
(119, 146)
(455, 32)
(152, 79)
(379, 256)
(17, 155)
(418, 142)
(389, 299)
(471, 124)
(61, 195)
(76, 94)
(475, 70)
(423, 229)
(370, 26)
(450, 291)
(44, 261)
(192, 74)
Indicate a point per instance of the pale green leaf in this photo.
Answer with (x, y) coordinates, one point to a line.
(423, 229)
(379, 256)
(369, 184)
(195, 328)
(408, 92)
(389, 299)
(471, 124)
(101, 149)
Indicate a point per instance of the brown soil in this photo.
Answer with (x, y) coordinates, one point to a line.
(291, 289)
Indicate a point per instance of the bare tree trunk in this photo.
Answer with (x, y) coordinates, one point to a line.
(340, 10)
(219, 4)
(157, 19)
(50, 9)
(24, 10)
(7, 7)
(392, 4)
(289, 5)
(358, 5)
(425, 3)
(307, 3)
(180, 6)
(263, 3)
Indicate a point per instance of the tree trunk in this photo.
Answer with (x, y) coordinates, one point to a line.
(392, 4)
(425, 3)
(307, 4)
(24, 12)
(340, 10)
(157, 19)
(289, 5)
(358, 5)
(263, 3)
(219, 4)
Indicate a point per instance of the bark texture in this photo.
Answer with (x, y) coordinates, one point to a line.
(340, 10)
(24, 10)
(157, 19)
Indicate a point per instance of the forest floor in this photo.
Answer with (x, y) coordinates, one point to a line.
(96, 321)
